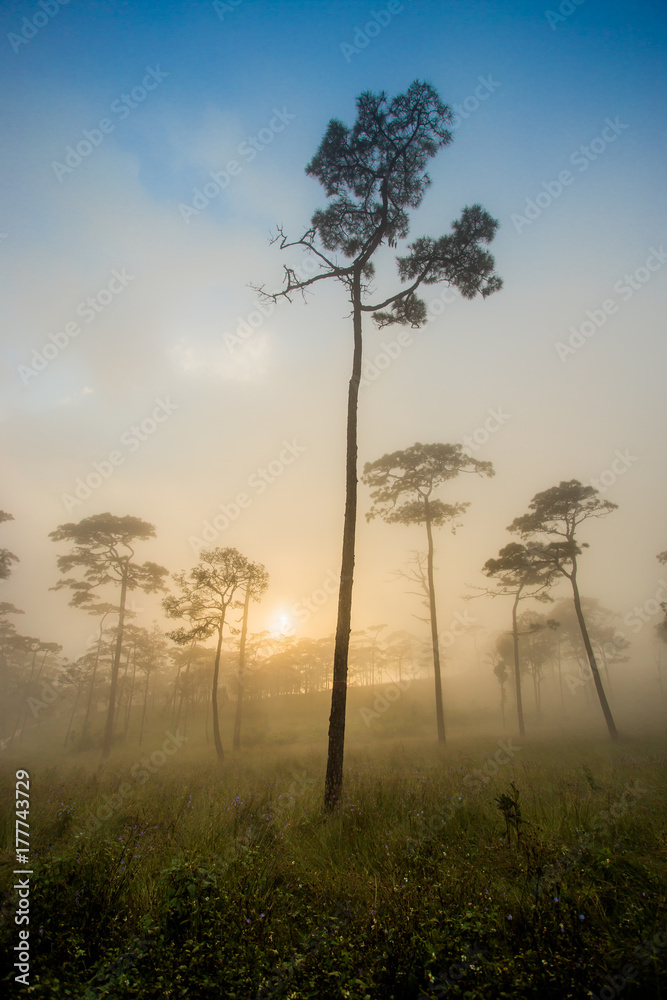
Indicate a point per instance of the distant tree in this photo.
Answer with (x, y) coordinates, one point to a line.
(150, 650)
(103, 609)
(76, 675)
(181, 658)
(539, 648)
(521, 572)
(206, 595)
(33, 647)
(104, 551)
(192, 680)
(255, 584)
(559, 511)
(373, 173)
(374, 631)
(12, 646)
(661, 627)
(6, 557)
(609, 643)
(403, 485)
(366, 653)
(405, 648)
(501, 674)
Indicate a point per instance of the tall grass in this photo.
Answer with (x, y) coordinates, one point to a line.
(215, 882)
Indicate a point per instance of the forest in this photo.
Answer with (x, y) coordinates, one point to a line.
(333, 593)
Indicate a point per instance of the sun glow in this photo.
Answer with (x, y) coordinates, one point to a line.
(283, 625)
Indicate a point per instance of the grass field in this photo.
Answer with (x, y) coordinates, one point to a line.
(489, 868)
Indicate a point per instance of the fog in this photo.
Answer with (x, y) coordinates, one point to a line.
(154, 371)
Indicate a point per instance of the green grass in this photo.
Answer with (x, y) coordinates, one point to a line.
(229, 882)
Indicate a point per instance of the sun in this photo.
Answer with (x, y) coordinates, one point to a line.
(283, 625)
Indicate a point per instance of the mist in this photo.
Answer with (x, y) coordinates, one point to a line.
(332, 542)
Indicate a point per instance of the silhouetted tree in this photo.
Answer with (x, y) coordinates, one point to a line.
(404, 646)
(150, 649)
(520, 572)
(33, 646)
(403, 487)
(559, 511)
(104, 551)
(501, 674)
(539, 646)
(104, 610)
(372, 174)
(609, 643)
(661, 627)
(207, 593)
(256, 582)
(6, 557)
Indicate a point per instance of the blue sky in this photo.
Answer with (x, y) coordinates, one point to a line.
(220, 77)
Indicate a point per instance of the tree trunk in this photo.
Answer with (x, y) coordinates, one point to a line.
(560, 682)
(439, 713)
(143, 712)
(517, 668)
(334, 777)
(130, 697)
(24, 712)
(173, 700)
(108, 731)
(606, 711)
(236, 743)
(84, 727)
(71, 718)
(214, 696)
